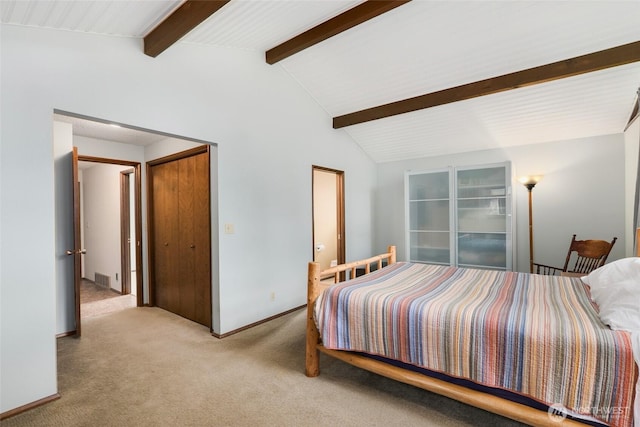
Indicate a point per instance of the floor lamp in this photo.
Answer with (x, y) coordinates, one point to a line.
(530, 182)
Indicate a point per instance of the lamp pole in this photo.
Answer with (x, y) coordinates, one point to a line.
(530, 182)
(529, 188)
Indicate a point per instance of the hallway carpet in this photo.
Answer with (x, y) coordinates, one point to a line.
(96, 300)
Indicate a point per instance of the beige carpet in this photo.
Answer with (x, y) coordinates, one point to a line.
(148, 367)
(106, 306)
(91, 291)
(96, 300)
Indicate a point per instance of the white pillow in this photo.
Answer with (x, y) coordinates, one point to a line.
(615, 287)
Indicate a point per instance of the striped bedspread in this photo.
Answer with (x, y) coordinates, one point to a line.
(539, 336)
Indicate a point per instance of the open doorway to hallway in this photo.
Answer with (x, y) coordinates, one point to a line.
(98, 137)
(328, 217)
(108, 226)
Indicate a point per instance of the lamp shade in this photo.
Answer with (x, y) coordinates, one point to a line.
(530, 180)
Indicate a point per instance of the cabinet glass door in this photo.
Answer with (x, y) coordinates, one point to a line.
(429, 217)
(481, 213)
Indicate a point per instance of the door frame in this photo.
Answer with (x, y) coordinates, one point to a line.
(125, 229)
(137, 168)
(340, 211)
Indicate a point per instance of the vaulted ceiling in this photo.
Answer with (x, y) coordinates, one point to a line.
(414, 78)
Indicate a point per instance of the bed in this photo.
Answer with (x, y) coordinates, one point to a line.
(474, 341)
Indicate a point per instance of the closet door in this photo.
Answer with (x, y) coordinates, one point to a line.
(165, 232)
(186, 245)
(181, 235)
(194, 239)
(202, 239)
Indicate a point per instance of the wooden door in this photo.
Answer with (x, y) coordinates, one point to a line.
(76, 251)
(181, 235)
(195, 234)
(165, 232)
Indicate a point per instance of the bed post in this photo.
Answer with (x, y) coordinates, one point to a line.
(392, 250)
(312, 363)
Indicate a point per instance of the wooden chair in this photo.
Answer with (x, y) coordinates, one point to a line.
(589, 255)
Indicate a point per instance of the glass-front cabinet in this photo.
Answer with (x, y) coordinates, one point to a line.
(460, 216)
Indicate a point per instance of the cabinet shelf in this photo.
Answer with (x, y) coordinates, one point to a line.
(479, 210)
(495, 186)
(460, 231)
(481, 198)
(429, 200)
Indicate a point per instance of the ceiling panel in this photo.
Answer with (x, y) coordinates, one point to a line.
(111, 17)
(99, 129)
(417, 48)
(261, 25)
(576, 107)
(426, 46)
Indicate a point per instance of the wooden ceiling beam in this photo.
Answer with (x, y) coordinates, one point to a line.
(336, 25)
(596, 61)
(184, 19)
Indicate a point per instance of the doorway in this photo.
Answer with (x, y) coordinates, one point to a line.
(95, 138)
(328, 217)
(110, 203)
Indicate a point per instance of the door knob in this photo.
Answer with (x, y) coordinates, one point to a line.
(76, 251)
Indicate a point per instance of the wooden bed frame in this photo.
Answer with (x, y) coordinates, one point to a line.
(488, 402)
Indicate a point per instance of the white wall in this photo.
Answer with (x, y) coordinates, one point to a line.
(269, 134)
(582, 192)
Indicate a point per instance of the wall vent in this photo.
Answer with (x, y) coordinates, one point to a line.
(103, 280)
